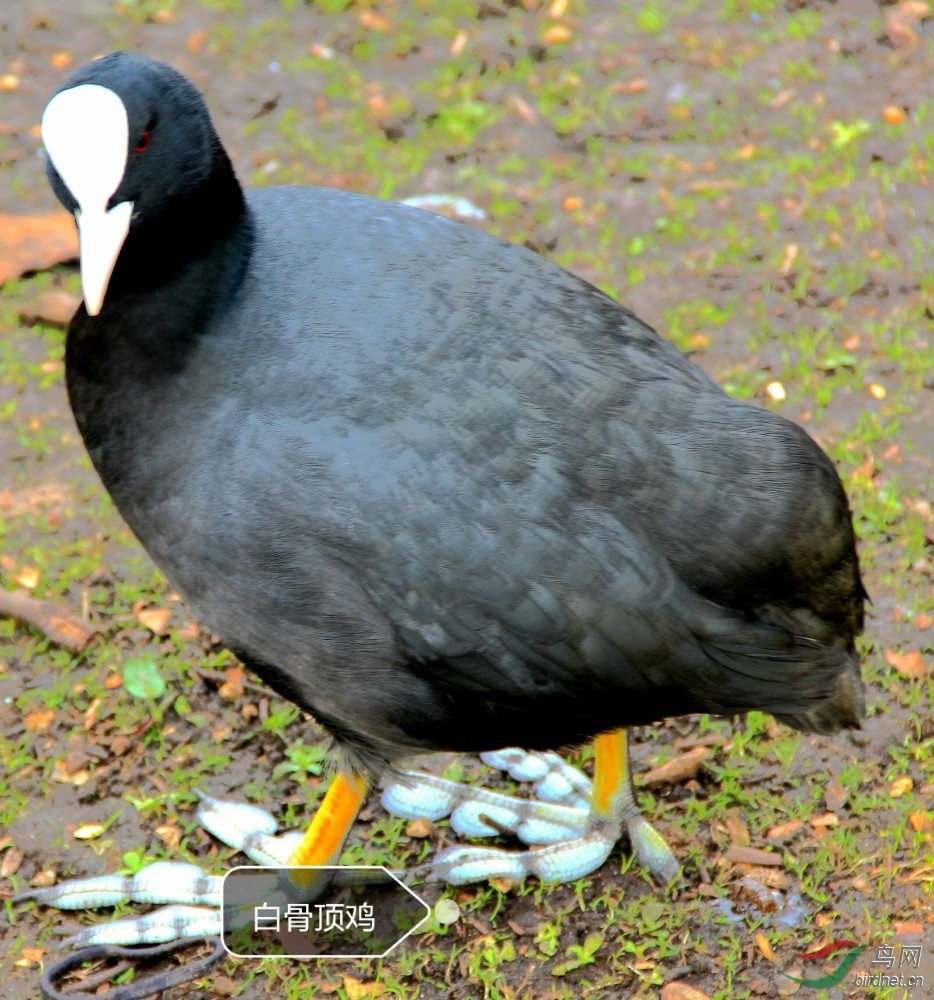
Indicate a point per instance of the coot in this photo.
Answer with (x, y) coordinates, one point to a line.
(432, 488)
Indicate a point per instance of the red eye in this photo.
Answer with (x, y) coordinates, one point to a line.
(142, 143)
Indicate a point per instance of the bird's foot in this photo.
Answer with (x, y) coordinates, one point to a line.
(194, 895)
(574, 842)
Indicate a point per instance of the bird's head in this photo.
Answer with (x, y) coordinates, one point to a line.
(126, 137)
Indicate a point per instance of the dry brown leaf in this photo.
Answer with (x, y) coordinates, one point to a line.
(783, 829)
(911, 664)
(54, 307)
(459, 44)
(35, 243)
(420, 828)
(38, 721)
(170, 835)
(682, 991)
(30, 956)
(89, 831)
(835, 796)
(12, 859)
(62, 774)
(906, 928)
(765, 947)
(522, 109)
(826, 820)
(28, 577)
(356, 989)
(921, 821)
(672, 772)
(42, 880)
(232, 688)
(737, 829)
(155, 619)
(195, 42)
(374, 22)
(900, 787)
(556, 34)
(773, 878)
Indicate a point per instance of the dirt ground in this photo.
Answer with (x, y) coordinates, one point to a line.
(754, 180)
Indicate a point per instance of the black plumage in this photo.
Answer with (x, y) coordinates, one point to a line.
(434, 489)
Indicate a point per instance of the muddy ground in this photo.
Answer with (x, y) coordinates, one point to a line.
(753, 179)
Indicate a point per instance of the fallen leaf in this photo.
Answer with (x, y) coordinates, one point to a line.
(28, 577)
(774, 878)
(44, 879)
(909, 928)
(62, 773)
(765, 947)
(523, 110)
(30, 956)
(911, 664)
(783, 829)
(503, 884)
(556, 34)
(681, 991)
(672, 772)
(826, 820)
(374, 22)
(35, 243)
(900, 787)
(921, 821)
(12, 859)
(196, 41)
(459, 44)
(54, 307)
(420, 828)
(776, 391)
(232, 688)
(155, 619)
(893, 114)
(38, 721)
(170, 835)
(835, 796)
(90, 716)
(89, 831)
(356, 989)
(737, 829)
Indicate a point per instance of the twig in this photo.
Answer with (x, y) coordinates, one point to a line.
(52, 620)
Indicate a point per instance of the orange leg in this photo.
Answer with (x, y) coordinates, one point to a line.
(325, 837)
(614, 805)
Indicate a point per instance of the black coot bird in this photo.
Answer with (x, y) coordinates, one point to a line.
(432, 488)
